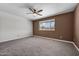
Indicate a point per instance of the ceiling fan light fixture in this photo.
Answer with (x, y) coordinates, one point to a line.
(35, 14)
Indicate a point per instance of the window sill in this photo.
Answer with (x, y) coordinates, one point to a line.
(46, 30)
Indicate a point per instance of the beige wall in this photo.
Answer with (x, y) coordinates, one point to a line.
(64, 27)
(76, 38)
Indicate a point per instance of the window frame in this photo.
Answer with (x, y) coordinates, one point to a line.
(44, 21)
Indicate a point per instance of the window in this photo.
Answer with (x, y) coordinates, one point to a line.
(47, 25)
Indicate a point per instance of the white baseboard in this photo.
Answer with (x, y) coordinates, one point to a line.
(61, 41)
(15, 38)
(75, 46)
(55, 39)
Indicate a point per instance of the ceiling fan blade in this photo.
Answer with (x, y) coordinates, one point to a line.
(31, 9)
(39, 11)
(39, 14)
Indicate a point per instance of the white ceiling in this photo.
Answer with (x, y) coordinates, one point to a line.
(49, 9)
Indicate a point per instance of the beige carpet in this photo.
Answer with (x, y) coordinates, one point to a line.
(36, 46)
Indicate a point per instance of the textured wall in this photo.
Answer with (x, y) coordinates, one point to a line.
(64, 27)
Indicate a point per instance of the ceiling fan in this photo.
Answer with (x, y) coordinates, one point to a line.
(34, 11)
